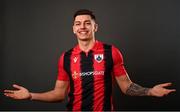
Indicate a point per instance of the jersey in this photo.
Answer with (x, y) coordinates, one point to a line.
(90, 76)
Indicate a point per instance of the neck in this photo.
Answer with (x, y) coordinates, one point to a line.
(86, 45)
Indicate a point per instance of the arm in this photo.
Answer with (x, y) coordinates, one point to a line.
(132, 89)
(57, 94)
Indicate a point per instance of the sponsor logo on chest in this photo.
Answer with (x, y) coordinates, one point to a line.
(85, 74)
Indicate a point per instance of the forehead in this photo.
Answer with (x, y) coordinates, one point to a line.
(83, 18)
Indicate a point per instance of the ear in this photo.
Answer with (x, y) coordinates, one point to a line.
(95, 27)
(73, 30)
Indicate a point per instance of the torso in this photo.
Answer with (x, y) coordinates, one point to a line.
(90, 77)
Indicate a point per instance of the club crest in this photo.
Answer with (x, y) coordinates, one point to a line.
(98, 57)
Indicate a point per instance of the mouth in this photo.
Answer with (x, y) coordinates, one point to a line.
(83, 32)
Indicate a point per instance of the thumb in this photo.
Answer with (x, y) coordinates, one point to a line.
(17, 86)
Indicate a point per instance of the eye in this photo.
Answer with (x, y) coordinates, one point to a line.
(77, 24)
(88, 23)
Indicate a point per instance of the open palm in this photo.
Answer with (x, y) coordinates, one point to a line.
(20, 93)
(160, 90)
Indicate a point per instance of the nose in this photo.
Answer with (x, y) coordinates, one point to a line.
(82, 25)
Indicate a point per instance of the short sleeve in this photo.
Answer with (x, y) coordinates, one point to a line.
(62, 74)
(118, 64)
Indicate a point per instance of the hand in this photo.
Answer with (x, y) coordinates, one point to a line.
(160, 90)
(19, 94)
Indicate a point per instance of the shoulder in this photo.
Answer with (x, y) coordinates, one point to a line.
(69, 51)
(65, 53)
(105, 45)
(110, 47)
(116, 53)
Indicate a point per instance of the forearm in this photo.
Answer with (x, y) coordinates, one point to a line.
(137, 90)
(50, 96)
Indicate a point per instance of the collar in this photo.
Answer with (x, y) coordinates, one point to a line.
(94, 48)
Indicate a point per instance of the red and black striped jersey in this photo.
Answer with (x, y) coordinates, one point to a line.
(90, 76)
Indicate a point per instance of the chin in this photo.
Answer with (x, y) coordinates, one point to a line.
(84, 38)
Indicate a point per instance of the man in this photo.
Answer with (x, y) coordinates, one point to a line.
(86, 72)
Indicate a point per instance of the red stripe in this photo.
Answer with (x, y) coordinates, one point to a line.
(75, 68)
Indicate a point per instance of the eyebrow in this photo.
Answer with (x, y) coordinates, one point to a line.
(84, 21)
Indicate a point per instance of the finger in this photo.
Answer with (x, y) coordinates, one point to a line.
(8, 91)
(167, 91)
(171, 90)
(17, 86)
(9, 95)
(165, 84)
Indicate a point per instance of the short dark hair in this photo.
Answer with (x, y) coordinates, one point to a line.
(84, 12)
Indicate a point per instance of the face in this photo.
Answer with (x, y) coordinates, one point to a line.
(84, 27)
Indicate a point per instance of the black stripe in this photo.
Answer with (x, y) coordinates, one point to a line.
(87, 81)
(67, 67)
(107, 77)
